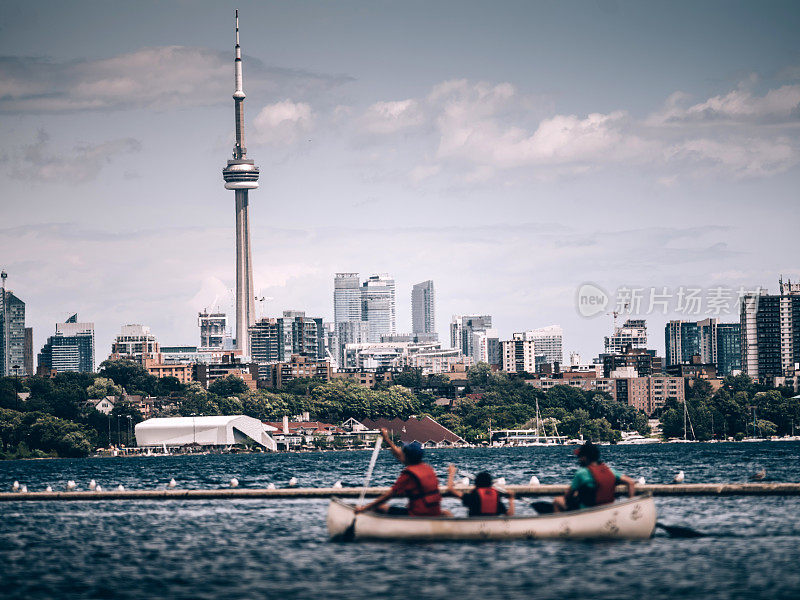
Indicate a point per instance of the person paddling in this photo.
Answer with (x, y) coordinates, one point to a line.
(482, 500)
(417, 482)
(594, 482)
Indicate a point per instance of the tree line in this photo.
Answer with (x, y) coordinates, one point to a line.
(56, 420)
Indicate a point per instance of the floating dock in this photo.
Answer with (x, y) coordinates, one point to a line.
(684, 489)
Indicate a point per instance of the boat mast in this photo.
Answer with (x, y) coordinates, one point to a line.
(685, 416)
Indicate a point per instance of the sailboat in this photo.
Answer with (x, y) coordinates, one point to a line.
(687, 426)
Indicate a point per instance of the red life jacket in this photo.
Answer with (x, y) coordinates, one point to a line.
(426, 499)
(605, 481)
(490, 500)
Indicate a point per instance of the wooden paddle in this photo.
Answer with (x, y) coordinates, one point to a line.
(350, 532)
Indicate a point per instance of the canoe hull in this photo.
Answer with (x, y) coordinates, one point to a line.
(630, 519)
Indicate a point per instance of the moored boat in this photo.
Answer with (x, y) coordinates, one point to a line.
(633, 518)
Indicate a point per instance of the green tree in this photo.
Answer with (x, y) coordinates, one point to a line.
(478, 374)
(228, 386)
(102, 387)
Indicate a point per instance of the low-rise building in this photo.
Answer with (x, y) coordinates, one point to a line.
(426, 431)
(182, 371)
(207, 373)
(298, 367)
(645, 393)
(368, 379)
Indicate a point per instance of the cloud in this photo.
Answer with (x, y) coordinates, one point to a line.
(392, 117)
(480, 130)
(780, 105)
(163, 77)
(282, 122)
(744, 157)
(37, 162)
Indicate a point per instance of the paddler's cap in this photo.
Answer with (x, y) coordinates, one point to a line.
(413, 451)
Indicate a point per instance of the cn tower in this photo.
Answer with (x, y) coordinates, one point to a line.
(241, 175)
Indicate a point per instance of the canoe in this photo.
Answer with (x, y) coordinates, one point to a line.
(630, 519)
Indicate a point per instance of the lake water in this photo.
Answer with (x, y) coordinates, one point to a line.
(279, 548)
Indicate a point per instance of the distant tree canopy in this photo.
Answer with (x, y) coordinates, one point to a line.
(56, 418)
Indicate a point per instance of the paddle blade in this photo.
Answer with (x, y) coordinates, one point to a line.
(542, 507)
(680, 532)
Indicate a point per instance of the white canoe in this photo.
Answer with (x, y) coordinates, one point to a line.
(631, 519)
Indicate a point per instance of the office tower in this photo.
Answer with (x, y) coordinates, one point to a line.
(729, 350)
(70, 349)
(713, 342)
(462, 328)
(241, 175)
(423, 311)
(346, 297)
(27, 352)
(770, 332)
(135, 342)
(212, 329)
(12, 332)
(486, 346)
(518, 354)
(378, 306)
(633, 333)
(349, 327)
(549, 343)
(277, 339)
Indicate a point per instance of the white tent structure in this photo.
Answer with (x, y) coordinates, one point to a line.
(204, 431)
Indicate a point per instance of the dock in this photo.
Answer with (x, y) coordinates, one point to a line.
(685, 489)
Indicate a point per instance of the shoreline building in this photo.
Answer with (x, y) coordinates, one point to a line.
(241, 176)
(12, 332)
(549, 342)
(463, 328)
(278, 339)
(715, 343)
(633, 333)
(213, 330)
(348, 325)
(378, 306)
(135, 342)
(518, 354)
(770, 332)
(70, 350)
(423, 310)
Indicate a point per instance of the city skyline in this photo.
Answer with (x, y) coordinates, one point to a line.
(604, 156)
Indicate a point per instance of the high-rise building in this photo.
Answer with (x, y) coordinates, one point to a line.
(346, 297)
(518, 354)
(213, 329)
(241, 175)
(633, 333)
(486, 346)
(27, 352)
(423, 311)
(70, 349)
(549, 343)
(770, 332)
(12, 332)
(462, 328)
(135, 342)
(713, 342)
(278, 339)
(349, 327)
(378, 306)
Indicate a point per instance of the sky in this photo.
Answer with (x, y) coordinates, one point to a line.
(512, 152)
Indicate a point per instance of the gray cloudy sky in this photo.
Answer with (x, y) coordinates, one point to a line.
(510, 151)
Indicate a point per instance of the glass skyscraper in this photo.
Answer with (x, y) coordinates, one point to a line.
(12, 333)
(71, 349)
(423, 312)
